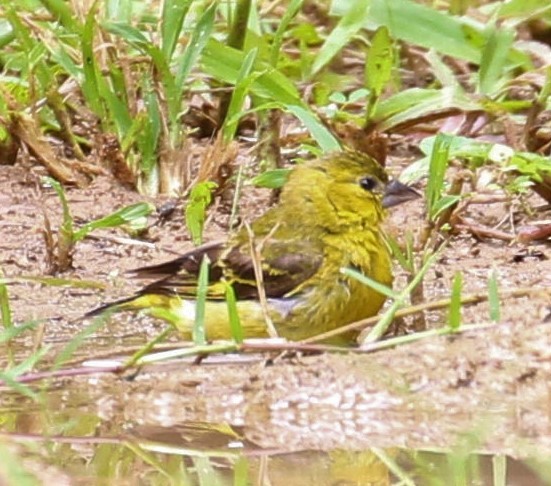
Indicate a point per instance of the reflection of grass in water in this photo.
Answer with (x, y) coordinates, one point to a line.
(190, 455)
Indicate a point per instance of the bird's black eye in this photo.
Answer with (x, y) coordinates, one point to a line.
(368, 183)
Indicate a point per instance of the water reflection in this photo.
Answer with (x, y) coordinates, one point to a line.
(208, 454)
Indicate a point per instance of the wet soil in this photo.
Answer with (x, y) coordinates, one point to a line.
(491, 382)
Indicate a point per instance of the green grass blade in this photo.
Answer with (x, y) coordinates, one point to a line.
(67, 227)
(69, 349)
(27, 364)
(224, 63)
(350, 23)
(172, 20)
(235, 323)
(90, 87)
(319, 131)
(62, 11)
(19, 388)
(437, 170)
(12, 332)
(364, 279)
(271, 179)
(499, 470)
(198, 332)
(454, 316)
(5, 309)
(290, 13)
(122, 216)
(404, 259)
(493, 60)
(199, 38)
(242, 87)
(149, 136)
(493, 298)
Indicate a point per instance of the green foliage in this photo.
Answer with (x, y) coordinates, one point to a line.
(271, 179)
(198, 333)
(68, 236)
(378, 68)
(454, 314)
(200, 198)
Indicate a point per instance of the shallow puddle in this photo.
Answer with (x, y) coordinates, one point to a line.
(314, 420)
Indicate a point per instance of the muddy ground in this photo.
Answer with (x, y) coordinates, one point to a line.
(492, 382)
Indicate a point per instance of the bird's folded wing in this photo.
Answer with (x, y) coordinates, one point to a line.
(285, 266)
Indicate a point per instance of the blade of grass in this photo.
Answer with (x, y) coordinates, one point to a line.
(69, 349)
(89, 85)
(454, 313)
(350, 23)
(437, 170)
(381, 327)
(321, 134)
(199, 38)
(290, 13)
(499, 470)
(5, 309)
(62, 11)
(198, 332)
(173, 15)
(364, 279)
(493, 298)
(242, 87)
(493, 60)
(235, 322)
(122, 216)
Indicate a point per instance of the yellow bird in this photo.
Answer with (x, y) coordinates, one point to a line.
(328, 218)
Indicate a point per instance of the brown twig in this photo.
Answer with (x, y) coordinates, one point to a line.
(256, 256)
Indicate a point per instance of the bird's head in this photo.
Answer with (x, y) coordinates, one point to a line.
(344, 188)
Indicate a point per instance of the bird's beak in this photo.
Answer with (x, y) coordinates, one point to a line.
(398, 193)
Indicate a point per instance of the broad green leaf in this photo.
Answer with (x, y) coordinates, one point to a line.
(224, 63)
(415, 103)
(350, 23)
(420, 24)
